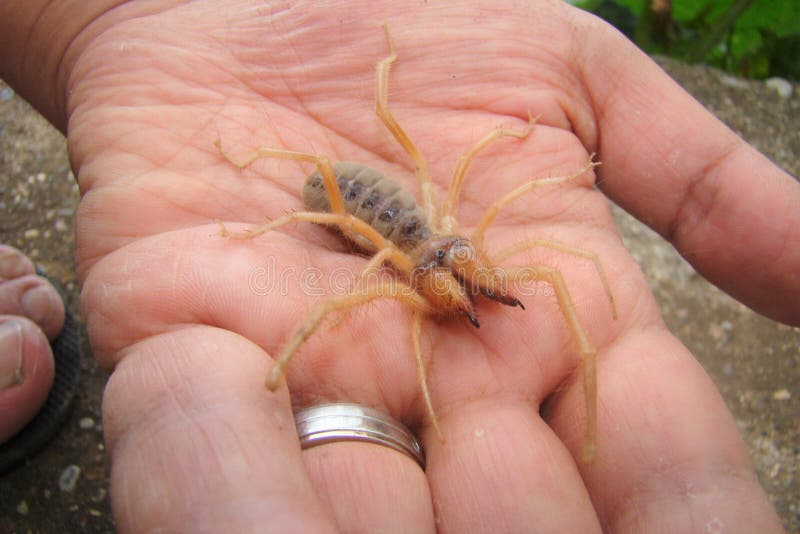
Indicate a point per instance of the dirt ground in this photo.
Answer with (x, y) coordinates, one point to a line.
(754, 361)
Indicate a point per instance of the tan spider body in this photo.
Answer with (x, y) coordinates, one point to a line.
(441, 272)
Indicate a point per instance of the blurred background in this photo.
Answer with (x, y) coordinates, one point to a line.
(748, 38)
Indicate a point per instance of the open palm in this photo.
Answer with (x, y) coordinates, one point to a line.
(189, 317)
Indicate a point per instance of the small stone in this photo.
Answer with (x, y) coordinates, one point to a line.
(783, 87)
(31, 233)
(101, 494)
(776, 469)
(22, 508)
(716, 331)
(95, 513)
(86, 423)
(69, 478)
(41, 177)
(61, 226)
(734, 82)
(782, 394)
(6, 93)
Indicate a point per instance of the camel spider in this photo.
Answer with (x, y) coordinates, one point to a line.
(442, 272)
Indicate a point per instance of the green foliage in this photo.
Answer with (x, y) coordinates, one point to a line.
(753, 38)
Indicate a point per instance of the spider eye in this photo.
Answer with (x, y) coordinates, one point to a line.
(462, 254)
(440, 254)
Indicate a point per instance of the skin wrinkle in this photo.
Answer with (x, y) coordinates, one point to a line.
(171, 390)
(90, 31)
(586, 118)
(332, 127)
(493, 457)
(659, 489)
(596, 109)
(491, 384)
(673, 461)
(693, 209)
(436, 344)
(145, 420)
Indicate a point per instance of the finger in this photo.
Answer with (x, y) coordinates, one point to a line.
(503, 470)
(731, 212)
(669, 457)
(198, 444)
(370, 488)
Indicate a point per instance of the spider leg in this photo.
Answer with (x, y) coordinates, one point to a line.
(388, 289)
(416, 331)
(588, 353)
(494, 208)
(374, 263)
(323, 165)
(449, 222)
(388, 119)
(533, 243)
(346, 223)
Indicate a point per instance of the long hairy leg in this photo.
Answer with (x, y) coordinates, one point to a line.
(587, 351)
(416, 332)
(494, 208)
(528, 244)
(323, 165)
(386, 116)
(345, 223)
(375, 262)
(450, 210)
(389, 289)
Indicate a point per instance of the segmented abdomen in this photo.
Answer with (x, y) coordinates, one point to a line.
(376, 200)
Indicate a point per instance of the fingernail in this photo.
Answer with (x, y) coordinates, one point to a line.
(38, 303)
(10, 354)
(12, 265)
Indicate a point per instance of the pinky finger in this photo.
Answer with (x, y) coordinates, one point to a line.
(198, 444)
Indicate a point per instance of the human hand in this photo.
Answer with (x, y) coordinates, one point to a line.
(197, 441)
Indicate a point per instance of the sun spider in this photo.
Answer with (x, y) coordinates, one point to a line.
(441, 272)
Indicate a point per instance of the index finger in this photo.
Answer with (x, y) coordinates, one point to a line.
(727, 209)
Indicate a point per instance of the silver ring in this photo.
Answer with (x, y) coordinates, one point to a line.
(328, 423)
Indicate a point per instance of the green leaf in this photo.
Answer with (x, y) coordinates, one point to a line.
(782, 17)
(745, 41)
(689, 10)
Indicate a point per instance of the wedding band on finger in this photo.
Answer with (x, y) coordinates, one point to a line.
(330, 423)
